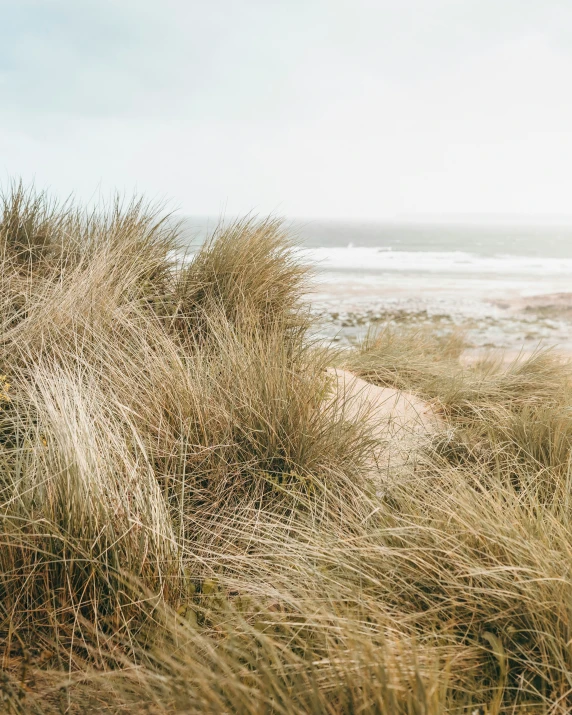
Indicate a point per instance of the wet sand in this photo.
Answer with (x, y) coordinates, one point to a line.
(512, 324)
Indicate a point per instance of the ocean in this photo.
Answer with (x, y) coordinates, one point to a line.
(507, 287)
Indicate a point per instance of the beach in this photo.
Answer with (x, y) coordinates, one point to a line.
(502, 287)
(512, 295)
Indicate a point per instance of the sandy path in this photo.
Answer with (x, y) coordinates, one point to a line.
(386, 406)
(402, 422)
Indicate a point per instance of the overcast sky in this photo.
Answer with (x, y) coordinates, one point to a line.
(324, 108)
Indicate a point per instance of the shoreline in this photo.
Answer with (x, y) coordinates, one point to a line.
(513, 324)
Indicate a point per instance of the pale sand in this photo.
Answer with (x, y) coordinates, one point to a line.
(402, 423)
(385, 406)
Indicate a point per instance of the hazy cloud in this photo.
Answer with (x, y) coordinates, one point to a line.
(309, 107)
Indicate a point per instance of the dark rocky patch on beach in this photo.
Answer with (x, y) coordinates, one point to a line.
(516, 324)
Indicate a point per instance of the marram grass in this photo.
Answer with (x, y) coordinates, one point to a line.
(191, 523)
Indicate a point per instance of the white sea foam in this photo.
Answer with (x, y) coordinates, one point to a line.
(370, 259)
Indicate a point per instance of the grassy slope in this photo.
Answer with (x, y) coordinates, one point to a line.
(185, 527)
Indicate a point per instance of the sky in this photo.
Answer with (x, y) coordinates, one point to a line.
(357, 109)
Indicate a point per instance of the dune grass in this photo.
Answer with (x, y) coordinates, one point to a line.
(190, 520)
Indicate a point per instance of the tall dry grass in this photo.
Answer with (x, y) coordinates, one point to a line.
(190, 520)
